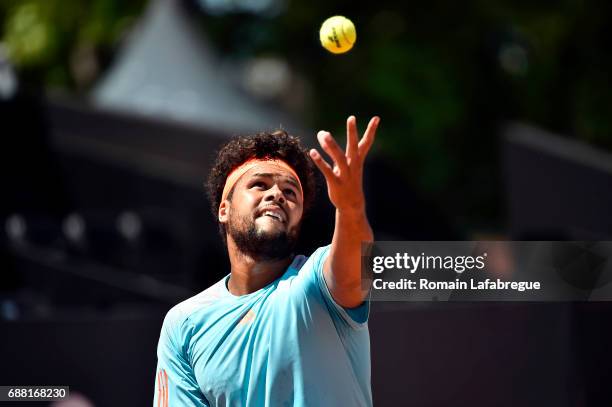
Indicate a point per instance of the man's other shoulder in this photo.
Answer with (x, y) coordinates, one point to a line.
(181, 311)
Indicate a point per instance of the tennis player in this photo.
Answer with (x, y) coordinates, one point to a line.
(280, 329)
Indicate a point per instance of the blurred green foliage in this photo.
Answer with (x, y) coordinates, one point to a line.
(43, 36)
(443, 75)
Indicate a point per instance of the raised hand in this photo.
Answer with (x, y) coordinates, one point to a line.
(345, 178)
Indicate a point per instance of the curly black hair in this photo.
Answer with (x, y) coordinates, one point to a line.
(276, 145)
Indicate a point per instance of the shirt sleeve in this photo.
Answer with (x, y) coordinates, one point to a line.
(356, 318)
(175, 383)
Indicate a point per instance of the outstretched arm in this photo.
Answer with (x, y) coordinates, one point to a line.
(342, 269)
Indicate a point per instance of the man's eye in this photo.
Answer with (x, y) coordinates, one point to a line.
(289, 192)
(259, 184)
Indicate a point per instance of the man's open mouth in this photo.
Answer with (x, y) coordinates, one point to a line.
(276, 214)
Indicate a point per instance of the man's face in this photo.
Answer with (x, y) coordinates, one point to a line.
(265, 212)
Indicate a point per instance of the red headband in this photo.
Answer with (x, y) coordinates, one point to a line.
(239, 171)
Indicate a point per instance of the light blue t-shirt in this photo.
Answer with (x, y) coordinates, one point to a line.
(287, 344)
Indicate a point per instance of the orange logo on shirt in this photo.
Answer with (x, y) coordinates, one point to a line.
(247, 318)
(162, 388)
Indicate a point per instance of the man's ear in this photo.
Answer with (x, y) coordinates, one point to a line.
(223, 213)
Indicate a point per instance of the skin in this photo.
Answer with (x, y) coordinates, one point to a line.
(252, 193)
(344, 179)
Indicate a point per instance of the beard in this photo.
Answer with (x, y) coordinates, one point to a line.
(261, 245)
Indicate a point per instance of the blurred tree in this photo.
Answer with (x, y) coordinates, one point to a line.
(54, 41)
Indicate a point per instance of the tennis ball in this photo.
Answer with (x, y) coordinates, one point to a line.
(337, 34)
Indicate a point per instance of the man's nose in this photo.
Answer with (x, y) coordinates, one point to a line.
(275, 194)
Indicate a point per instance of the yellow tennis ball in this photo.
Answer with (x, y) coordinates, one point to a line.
(338, 34)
